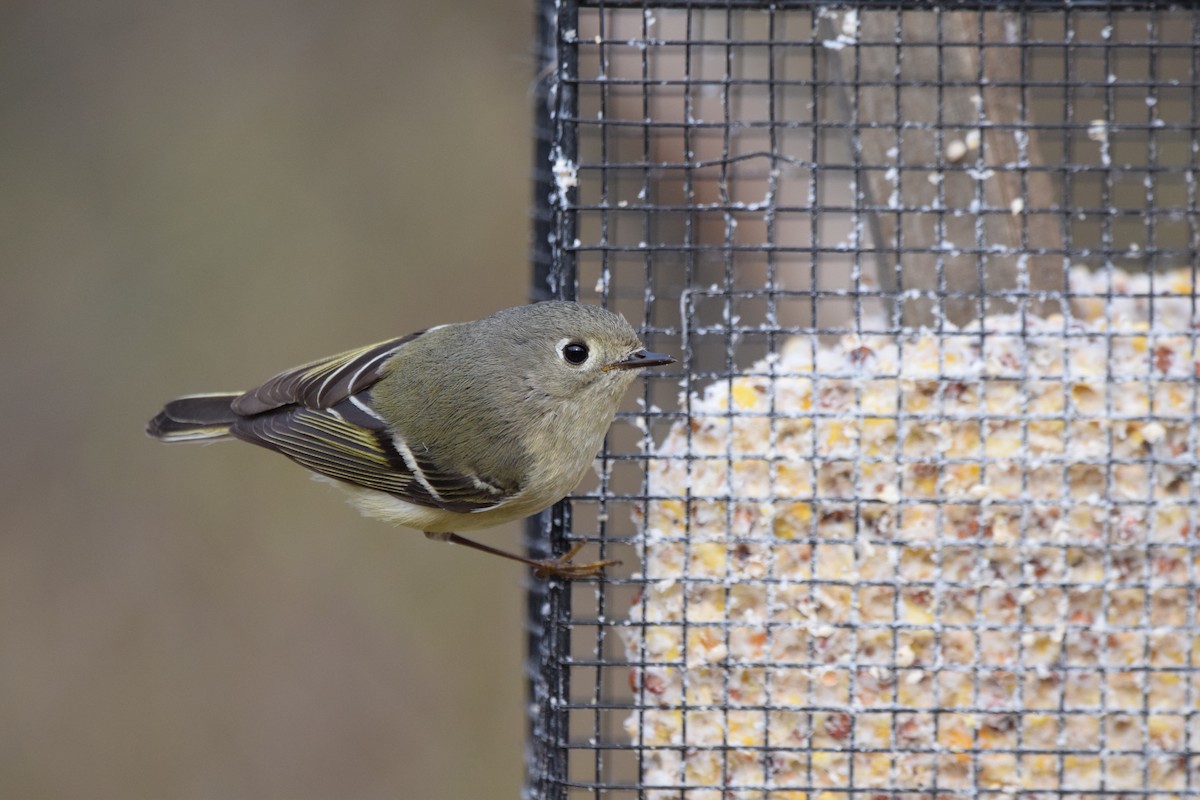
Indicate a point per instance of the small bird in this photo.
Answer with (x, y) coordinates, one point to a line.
(454, 428)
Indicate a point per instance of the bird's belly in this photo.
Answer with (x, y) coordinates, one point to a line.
(543, 491)
(389, 508)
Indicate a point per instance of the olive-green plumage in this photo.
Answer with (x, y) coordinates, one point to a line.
(459, 427)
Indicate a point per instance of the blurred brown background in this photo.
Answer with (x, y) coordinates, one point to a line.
(192, 197)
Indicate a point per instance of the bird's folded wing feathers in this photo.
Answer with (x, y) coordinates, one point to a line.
(318, 415)
(324, 383)
(459, 491)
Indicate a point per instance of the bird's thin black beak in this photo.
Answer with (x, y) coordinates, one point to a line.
(641, 358)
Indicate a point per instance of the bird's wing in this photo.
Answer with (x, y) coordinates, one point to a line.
(323, 383)
(319, 416)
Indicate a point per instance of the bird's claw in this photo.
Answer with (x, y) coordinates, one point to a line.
(562, 567)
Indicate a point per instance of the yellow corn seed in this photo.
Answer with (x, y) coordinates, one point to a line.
(956, 739)
(1038, 770)
(1086, 769)
(1165, 731)
(916, 613)
(709, 556)
(916, 402)
(1003, 443)
(746, 395)
(997, 771)
(836, 435)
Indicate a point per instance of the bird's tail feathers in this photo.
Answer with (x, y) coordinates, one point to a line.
(196, 417)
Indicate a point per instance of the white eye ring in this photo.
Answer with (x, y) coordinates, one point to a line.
(574, 352)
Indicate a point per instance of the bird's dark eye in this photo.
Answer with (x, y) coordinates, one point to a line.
(575, 352)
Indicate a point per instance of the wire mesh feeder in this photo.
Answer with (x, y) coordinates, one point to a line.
(917, 516)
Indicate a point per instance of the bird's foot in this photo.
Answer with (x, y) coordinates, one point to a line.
(562, 567)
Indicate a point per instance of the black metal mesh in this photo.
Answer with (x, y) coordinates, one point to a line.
(915, 516)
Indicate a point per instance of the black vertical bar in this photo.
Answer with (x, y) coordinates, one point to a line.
(548, 602)
(556, 151)
(540, 251)
(548, 611)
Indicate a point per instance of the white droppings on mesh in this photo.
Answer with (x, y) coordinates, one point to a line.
(964, 560)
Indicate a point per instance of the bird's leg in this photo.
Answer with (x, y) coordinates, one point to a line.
(560, 567)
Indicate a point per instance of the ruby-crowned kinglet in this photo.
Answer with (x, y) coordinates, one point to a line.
(455, 428)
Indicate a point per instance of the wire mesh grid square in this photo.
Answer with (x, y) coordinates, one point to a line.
(915, 515)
